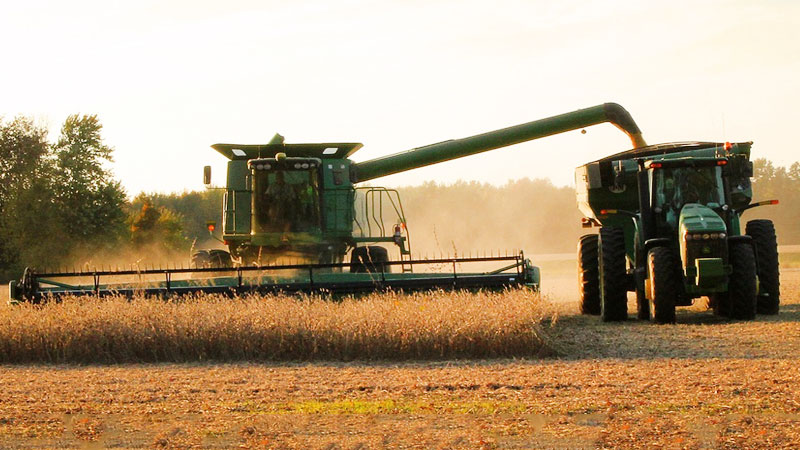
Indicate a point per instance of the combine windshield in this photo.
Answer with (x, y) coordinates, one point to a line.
(286, 201)
(678, 186)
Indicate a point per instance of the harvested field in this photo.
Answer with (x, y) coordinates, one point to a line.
(703, 383)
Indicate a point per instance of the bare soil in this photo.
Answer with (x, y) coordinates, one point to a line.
(703, 383)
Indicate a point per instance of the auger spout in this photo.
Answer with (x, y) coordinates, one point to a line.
(457, 148)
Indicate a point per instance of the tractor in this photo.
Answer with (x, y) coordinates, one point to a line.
(670, 219)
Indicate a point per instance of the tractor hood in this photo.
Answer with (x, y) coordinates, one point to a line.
(697, 218)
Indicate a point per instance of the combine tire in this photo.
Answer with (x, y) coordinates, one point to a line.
(369, 259)
(200, 259)
(663, 284)
(220, 259)
(211, 258)
(613, 279)
(763, 234)
(588, 276)
(742, 285)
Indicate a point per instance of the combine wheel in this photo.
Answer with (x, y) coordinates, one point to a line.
(219, 258)
(613, 279)
(742, 285)
(763, 234)
(200, 259)
(588, 276)
(369, 259)
(663, 284)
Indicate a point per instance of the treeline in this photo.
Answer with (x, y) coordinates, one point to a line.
(59, 205)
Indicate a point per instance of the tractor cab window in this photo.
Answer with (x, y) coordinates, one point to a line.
(286, 201)
(678, 186)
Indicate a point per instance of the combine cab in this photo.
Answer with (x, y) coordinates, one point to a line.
(301, 203)
(671, 230)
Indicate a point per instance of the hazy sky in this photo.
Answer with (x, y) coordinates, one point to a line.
(168, 79)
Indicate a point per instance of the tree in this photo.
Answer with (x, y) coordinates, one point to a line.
(23, 161)
(89, 200)
(156, 228)
(55, 199)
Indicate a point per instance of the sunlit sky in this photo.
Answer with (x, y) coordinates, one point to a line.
(169, 78)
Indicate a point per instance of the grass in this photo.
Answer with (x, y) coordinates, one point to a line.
(386, 326)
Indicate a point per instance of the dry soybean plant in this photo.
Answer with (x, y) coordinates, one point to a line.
(382, 326)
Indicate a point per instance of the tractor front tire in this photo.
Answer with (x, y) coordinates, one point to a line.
(613, 277)
(663, 284)
(588, 275)
(769, 295)
(369, 259)
(742, 293)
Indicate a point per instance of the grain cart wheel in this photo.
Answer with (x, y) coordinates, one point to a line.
(663, 284)
(369, 259)
(763, 234)
(588, 276)
(613, 279)
(219, 258)
(742, 285)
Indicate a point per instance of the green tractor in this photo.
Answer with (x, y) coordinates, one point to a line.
(670, 219)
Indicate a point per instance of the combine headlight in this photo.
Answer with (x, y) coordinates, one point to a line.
(714, 235)
(722, 235)
(305, 165)
(297, 166)
(706, 236)
(689, 237)
(260, 167)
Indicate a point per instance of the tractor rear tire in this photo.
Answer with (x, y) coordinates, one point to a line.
(769, 295)
(613, 277)
(588, 275)
(742, 293)
(369, 259)
(664, 284)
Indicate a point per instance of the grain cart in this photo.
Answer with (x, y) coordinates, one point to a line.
(303, 202)
(670, 218)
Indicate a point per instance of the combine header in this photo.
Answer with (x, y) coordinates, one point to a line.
(300, 201)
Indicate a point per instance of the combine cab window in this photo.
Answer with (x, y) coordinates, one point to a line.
(286, 201)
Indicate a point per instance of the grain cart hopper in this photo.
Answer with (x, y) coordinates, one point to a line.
(302, 201)
(671, 230)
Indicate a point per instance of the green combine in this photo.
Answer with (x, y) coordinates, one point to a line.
(303, 203)
(670, 219)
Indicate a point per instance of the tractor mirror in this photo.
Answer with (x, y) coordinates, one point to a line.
(207, 175)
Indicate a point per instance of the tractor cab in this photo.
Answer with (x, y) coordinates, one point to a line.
(678, 183)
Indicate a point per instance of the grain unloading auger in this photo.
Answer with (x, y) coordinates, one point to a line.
(301, 201)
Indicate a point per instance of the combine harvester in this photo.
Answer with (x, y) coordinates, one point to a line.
(671, 231)
(301, 201)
